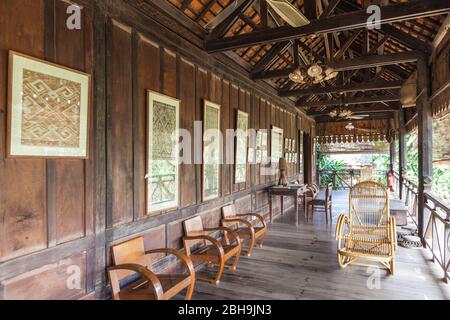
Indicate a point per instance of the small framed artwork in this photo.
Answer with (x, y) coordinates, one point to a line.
(162, 153)
(286, 144)
(251, 155)
(48, 109)
(211, 151)
(276, 144)
(240, 173)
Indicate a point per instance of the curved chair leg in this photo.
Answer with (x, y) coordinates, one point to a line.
(221, 266)
(343, 260)
(236, 260)
(190, 291)
(262, 239)
(250, 246)
(392, 266)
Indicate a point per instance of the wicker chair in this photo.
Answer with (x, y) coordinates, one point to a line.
(370, 232)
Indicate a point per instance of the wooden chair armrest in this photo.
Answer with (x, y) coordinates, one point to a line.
(343, 219)
(146, 273)
(233, 234)
(184, 258)
(215, 242)
(252, 214)
(247, 223)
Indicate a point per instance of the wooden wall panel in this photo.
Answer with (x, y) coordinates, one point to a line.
(22, 203)
(69, 177)
(187, 97)
(202, 94)
(120, 139)
(148, 76)
(62, 280)
(225, 123)
(234, 104)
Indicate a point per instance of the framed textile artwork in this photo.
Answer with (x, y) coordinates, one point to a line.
(48, 109)
(162, 152)
(276, 144)
(211, 150)
(240, 172)
(261, 146)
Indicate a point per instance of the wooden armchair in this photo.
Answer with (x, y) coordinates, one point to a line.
(130, 258)
(210, 250)
(326, 202)
(244, 228)
(369, 232)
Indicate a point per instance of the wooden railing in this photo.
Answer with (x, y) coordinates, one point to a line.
(347, 178)
(436, 222)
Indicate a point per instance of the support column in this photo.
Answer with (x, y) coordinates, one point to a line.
(401, 151)
(425, 138)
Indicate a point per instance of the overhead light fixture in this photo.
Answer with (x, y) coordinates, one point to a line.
(314, 70)
(350, 126)
(296, 76)
(330, 73)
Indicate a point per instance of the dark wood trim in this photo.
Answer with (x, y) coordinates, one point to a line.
(221, 29)
(365, 86)
(376, 61)
(374, 116)
(425, 139)
(50, 164)
(329, 9)
(273, 74)
(271, 56)
(347, 21)
(401, 149)
(344, 101)
(358, 110)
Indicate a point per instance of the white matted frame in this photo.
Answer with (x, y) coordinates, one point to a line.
(162, 153)
(240, 165)
(48, 109)
(211, 151)
(276, 145)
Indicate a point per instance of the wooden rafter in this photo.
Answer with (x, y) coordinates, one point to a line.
(349, 101)
(329, 9)
(347, 21)
(227, 20)
(338, 55)
(365, 86)
(358, 110)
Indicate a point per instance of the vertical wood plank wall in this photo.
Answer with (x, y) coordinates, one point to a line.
(57, 217)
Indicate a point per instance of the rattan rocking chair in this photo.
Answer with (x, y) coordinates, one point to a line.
(369, 232)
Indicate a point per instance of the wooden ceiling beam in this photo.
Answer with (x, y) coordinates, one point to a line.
(351, 64)
(357, 110)
(225, 22)
(350, 101)
(374, 116)
(271, 56)
(365, 86)
(310, 9)
(205, 10)
(347, 21)
(329, 9)
(405, 38)
(376, 61)
(338, 55)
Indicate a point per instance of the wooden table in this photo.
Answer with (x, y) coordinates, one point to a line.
(398, 209)
(294, 191)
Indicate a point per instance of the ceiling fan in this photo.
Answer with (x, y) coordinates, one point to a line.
(345, 113)
(351, 127)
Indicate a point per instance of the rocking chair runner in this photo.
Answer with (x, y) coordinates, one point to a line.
(130, 257)
(244, 228)
(371, 232)
(210, 249)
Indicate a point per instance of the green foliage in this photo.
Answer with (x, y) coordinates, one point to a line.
(327, 167)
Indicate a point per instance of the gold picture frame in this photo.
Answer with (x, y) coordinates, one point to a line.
(48, 109)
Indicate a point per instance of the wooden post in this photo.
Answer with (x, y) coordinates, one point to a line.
(425, 138)
(401, 151)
